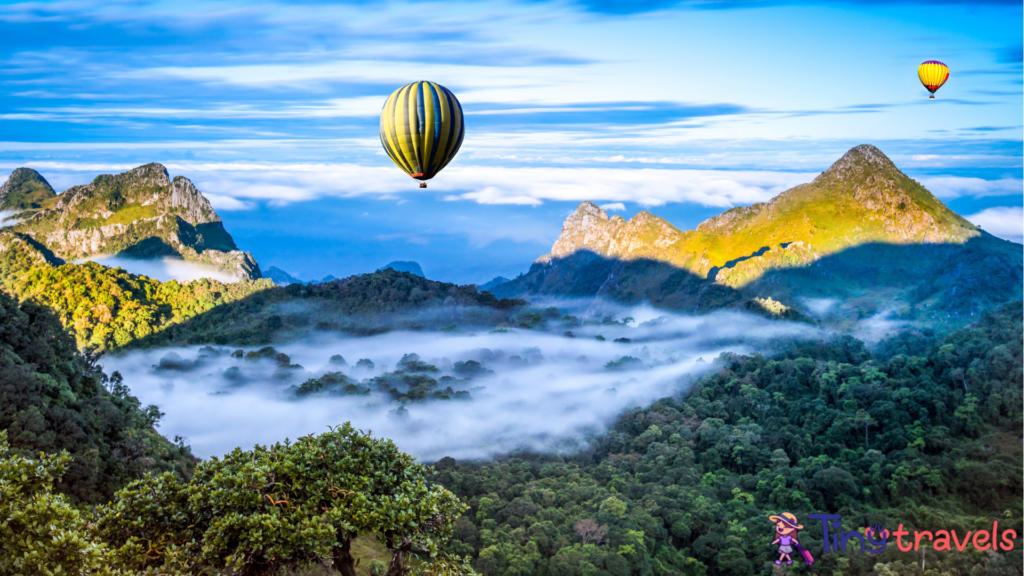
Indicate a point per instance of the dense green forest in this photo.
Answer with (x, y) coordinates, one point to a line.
(88, 485)
(109, 308)
(930, 440)
(54, 398)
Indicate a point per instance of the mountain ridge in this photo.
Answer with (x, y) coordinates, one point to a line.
(140, 213)
(835, 227)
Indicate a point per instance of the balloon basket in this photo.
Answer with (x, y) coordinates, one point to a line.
(932, 97)
(423, 184)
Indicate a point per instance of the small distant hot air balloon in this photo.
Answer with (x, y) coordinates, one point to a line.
(421, 128)
(933, 75)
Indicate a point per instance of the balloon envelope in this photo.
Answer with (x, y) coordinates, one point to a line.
(933, 74)
(421, 128)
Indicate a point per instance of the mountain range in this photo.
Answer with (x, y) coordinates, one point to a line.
(282, 278)
(863, 238)
(860, 240)
(141, 213)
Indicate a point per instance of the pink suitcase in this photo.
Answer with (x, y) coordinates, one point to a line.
(807, 555)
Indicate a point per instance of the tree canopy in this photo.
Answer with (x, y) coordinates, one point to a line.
(288, 505)
(685, 486)
(108, 308)
(54, 398)
(40, 532)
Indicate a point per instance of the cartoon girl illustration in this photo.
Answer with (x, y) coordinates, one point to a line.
(786, 534)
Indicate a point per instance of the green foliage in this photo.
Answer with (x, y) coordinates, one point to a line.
(54, 399)
(286, 506)
(624, 363)
(130, 213)
(471, 369)
(412, 363)
(443, 565)
(774, 309)
(109, 308)
(40, 533)
(331, 383)
(686, 485)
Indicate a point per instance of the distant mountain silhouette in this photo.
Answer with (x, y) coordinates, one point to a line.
(405, 266)
(280, 277)
(497, 281)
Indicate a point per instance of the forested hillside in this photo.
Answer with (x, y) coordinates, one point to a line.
(109, 308)
(54, 398)
(685, 486)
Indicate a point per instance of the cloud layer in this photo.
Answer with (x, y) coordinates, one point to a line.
(959, 186)
(548, 392)
(165, 269)
(1002, 221)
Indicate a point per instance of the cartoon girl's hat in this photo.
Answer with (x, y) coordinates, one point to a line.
(787, 519)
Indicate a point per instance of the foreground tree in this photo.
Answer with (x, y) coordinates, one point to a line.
(40, 533)
(286, 506)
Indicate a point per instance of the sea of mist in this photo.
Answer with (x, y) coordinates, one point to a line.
(545, 390)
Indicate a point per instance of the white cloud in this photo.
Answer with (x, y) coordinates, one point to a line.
(164, 269)
(1002, 221)
(614, 207)
(234, 185)
(495, 195)
(5, 217)
(527, 186)
(650, 187)
(238, 185)
(957, 186)
(328, 108)
(227, 203)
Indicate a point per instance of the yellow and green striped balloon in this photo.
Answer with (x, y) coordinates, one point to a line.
(421, 128)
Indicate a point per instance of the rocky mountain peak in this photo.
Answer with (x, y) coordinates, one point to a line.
(860, 162)
(22, 175)
(588, 208)
(588, 228)
(24, 189)
(140, 213)
(152, 173)
(147, 186)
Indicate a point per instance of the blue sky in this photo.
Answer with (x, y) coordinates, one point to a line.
(683, 109)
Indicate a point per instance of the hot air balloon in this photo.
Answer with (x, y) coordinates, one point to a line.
(933, 75)
(421, 129)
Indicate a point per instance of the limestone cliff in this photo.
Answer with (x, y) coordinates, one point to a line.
(141, 213)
